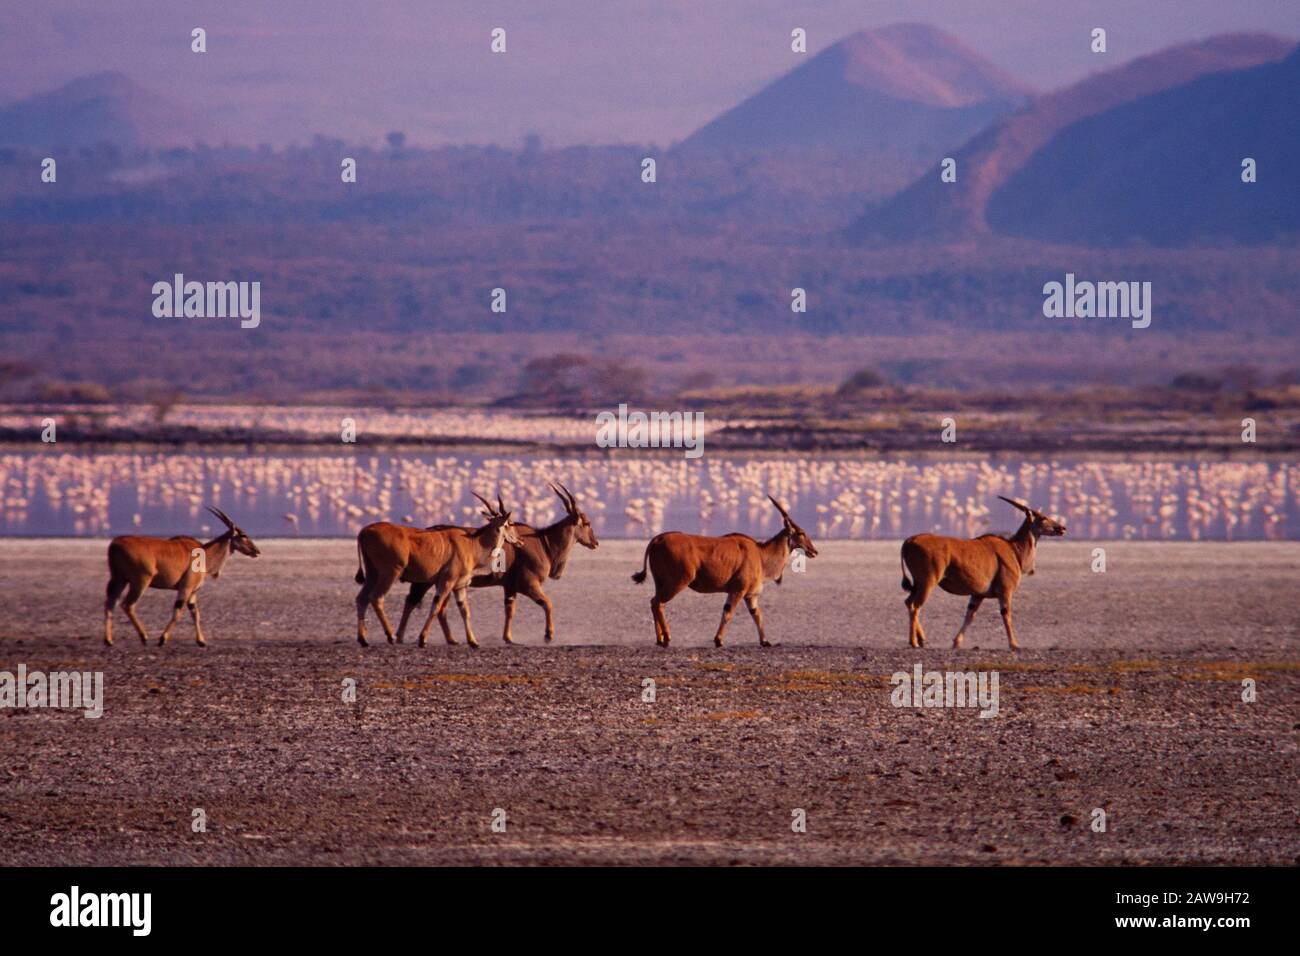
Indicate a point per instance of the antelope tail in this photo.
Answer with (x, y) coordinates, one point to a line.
(907, 585)
(639, 576)
(361, 574)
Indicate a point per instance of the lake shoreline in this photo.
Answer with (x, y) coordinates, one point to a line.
(939, 424)
(785, 441)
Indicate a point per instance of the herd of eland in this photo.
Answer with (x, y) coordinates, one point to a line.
(449, 560)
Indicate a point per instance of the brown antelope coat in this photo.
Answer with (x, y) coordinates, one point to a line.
(733, 564)
(542, 553)
(988, 566)
(181, 564)
(443, 557)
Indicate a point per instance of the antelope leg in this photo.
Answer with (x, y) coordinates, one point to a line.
(971, 608)
(751, 602)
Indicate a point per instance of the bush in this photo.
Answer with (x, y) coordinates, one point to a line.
(570, 380)
(863, 380)
(74, 393)
(1196, 382)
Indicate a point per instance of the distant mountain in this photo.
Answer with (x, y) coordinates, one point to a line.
(100, 108)
(1116, 154)
(906, 88)
(1167, 168)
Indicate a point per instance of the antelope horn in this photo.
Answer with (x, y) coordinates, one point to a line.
(1016, 504)
(486, 504)
(573, 502)
(222, 515)
(784, 513)
(501, 505)
(559, 494)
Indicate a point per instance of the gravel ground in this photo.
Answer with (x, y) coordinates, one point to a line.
(1127, 698)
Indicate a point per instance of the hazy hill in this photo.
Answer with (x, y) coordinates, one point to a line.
(383, 286)
(100, 108)
(1167, 168)
(992, 160)
(904, 89)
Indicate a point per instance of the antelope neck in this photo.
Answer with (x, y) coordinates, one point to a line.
(217, 550)
(480, 535)
(1024, 542)
(552, 537)
(557, 542)
(777, 546)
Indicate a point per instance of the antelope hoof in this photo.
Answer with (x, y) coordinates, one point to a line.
(507, 638)
(390, 639)
(471, 642)
(162, 641)
(764, 643)
(202, 642)
(362, 641)
(548, 638)
(450, 640)
(717, 642)
(108, 642)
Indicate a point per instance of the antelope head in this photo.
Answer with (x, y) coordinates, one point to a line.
(500, 529)
(239, 541)
(798, 537)
(1039, 523)
(584, 533)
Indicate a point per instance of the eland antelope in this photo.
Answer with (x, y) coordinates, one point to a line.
(444, 557)
(180, 564)
(734, 564)
(988, 566)
(542, 553)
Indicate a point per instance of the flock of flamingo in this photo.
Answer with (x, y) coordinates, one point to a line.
(628, 495)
